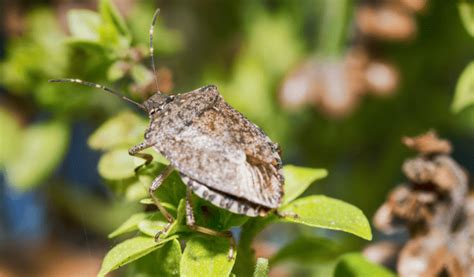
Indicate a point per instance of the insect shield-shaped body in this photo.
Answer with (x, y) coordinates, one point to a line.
(221, 156)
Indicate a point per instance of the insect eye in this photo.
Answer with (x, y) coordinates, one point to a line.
(169, 99)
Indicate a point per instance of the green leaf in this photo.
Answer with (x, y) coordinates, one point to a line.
(168, 258)
(464, 95)
(261, 269)
(466, 10)
(163, 262)
(84, 24)
(11, 136)
(130, 224)
(117, 71)
(111, 15)
(355, 265)
(41, 149)
(141, 75)
(129, 251)
(152, 227)
(126, 129)
(135, 191)
(324, 212)
(298, 179)
(147, 201)
(117, 165)
(308, 250)
(206, 256)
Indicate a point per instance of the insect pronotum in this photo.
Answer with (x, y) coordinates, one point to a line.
(221, 156)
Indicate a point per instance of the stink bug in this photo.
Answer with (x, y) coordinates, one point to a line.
(221, 156)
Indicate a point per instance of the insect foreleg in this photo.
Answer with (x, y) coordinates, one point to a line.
(191, 222)
(154, 186)
(135, 151)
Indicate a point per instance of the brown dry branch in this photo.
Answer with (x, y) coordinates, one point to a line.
(435, 207)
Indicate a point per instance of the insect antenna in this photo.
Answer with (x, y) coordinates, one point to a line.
(94, 85)
(152, 58)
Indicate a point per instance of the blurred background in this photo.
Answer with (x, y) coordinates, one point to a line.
(335, 83)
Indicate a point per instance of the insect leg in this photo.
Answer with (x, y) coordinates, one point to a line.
(134, 151)
(191, 222)
(154, 186)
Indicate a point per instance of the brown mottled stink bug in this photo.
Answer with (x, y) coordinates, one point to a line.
(222, 156)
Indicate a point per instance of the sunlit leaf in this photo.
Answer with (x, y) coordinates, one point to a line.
(298, 179)
(163, 262)
(84, 24)
(113, 32)
(141, 75)
(126, 129)
(38, 55)
(308, 250)
(41, 148)
(116, 165)
(152, 226)
(324, 212)
(466, 10)
(116, 71)
(355, 265)
(130, 224)
(111, 14)
(261, 269)
(11, 136)
(206, 256)
(147, 201)
(464, 96)
(129, 251)
(136, 191)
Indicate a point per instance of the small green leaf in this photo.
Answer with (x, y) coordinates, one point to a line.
(129, 251)
(126, 129)
(84, 24)
(111, 15)
(152, 227)
(466, 10)
(117, 70)
(308, 250)
(42, 147)
(164, 262)
(298, 179)
(147, 201)
(206, 256)
(261, 268)
(117, 165)
(135, 191)
(168, 259)
(355, 265)
(130, 224)
(11, 136)
(324, 212)
(141, 75)
(464, 95)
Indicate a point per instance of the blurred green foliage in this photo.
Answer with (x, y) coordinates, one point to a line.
(464, 96)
